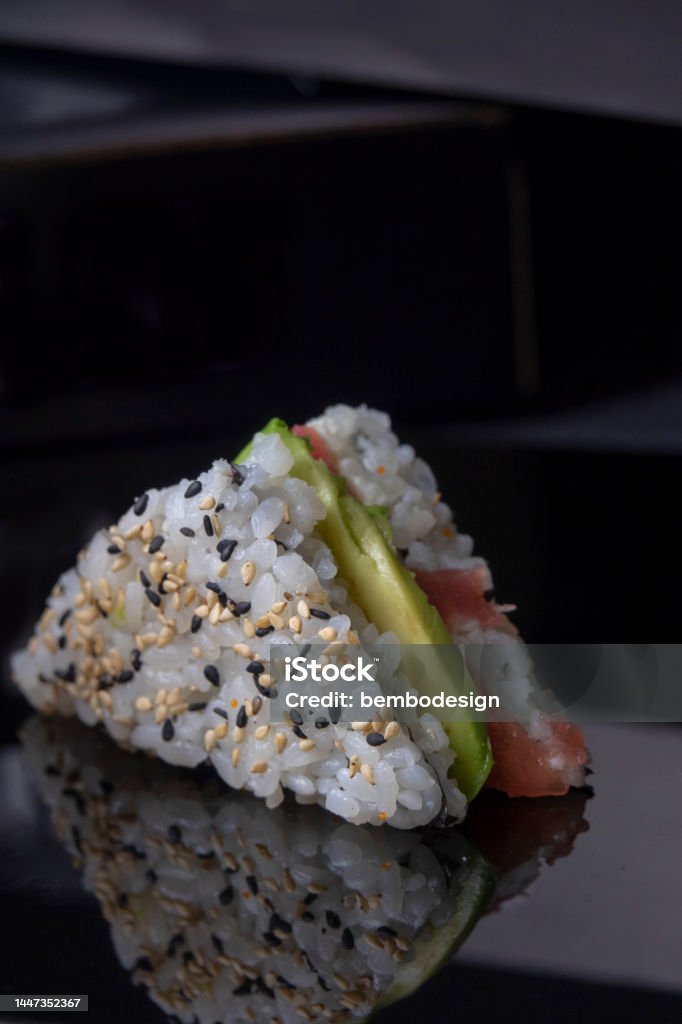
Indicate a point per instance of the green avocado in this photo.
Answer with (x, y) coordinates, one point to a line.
(360, 539)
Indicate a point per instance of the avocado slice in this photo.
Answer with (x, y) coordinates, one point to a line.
(433, 946)
(360, 539)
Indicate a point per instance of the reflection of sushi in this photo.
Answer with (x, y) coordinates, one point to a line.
(226, 911)
(229, 912)
(162, 632)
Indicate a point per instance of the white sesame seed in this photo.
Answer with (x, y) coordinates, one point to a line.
(247, 572)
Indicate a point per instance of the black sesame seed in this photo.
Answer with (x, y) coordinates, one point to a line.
(241, 608)
(153, 597)
(140, 506)
(197, 705)
(193, 489)
(241, 719)
(67, 675)
(305, 650)
(308, 916)
(227, 551)
(347, 939)
(272, 939)
(136, 659)
(196, 624)
(333, 919)
(113, 549)
(168, 731)
(281, 544)
(144, 579)
(334, 715)
(237, 476)
(375, 739)
(318, 613)
(310, 898)
(156, 544)
(63, 617)
(226, 896)
(143, 963)
(321, 723)
(151, 876)
(208, 526)
(172, 947)
(126, 676)
(187, 957)
(61, 643)
(174, 834)
(278, 924)
(220, 711)
(252, 883)
(299, 732)
(211, 673)
(255, 668)
(265, 691)
(215, 587)
(187, 531)
(244, 989)
(222, 597)
(217, 944)
(296, 717)
(384, 932)
(264, 630)
(104, 681)
(220, 506)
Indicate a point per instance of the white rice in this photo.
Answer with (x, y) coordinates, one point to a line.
(229, 912)
(141, 667)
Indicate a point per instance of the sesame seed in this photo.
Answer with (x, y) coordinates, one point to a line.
(328, 633)
(147, 531)
(276, 620)
(196, 623)
(255, 667)
(144, 579)
(226, 896)
(243, 650)
(211, 673)
(318, 613)
(296, 717)
(249, 628)
(197, 705)
(367, 773)
(209, 740)
(241, 608)
(207, 503)
(392, 729)
(193, 489)
(247, 572)
(221, 712)
(303, 609)
(333, 919)
(238, 734)
(241, 717)
(280, 742)
(120, 562)
(235, 757)
(187, 531)
(168, 731)
(237, 476)
(295, 624)
(153, 597)
(226, 548)
(347, 939)
(135, 659)
(156, 544)
(375, 739)
(306, 744)
(258, 767)
(140, 506)
(264, 630)
(208, 526)
(174, 834)
(321, 723)
(143, 704)
(125, 677)
(113, 549)
(261, 732)
(214, 614)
